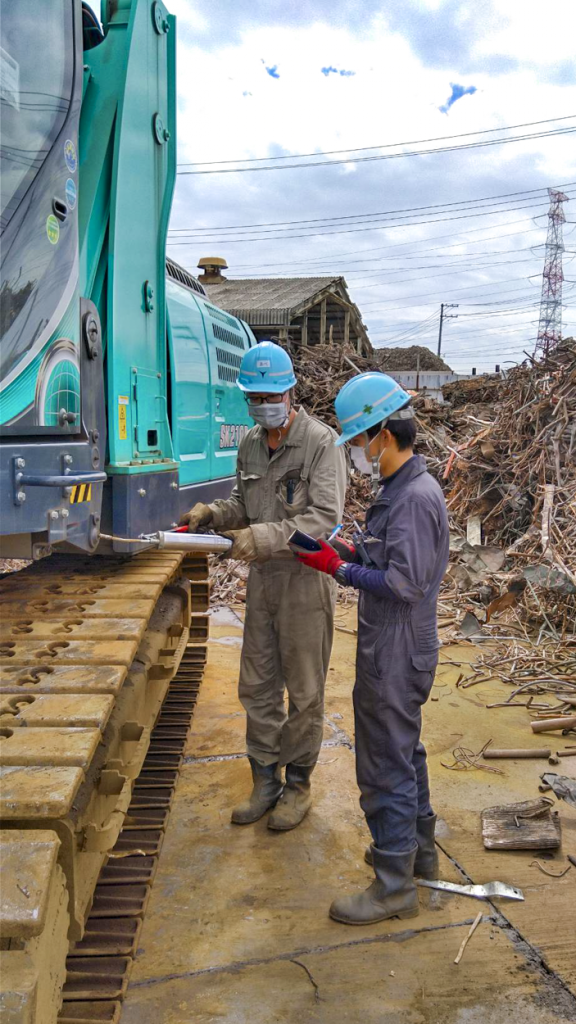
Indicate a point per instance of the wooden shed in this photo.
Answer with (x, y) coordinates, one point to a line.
(301, 310)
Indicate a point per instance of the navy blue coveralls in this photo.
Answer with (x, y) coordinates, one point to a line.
(407, 538)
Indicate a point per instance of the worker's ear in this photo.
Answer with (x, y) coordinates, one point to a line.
(386, 438)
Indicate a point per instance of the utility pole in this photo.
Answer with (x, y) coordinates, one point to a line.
(550, 323)
(445, 316)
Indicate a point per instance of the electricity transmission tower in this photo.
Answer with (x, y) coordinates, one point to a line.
(550, 323)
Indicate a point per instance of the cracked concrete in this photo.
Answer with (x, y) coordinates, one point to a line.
(237, 927)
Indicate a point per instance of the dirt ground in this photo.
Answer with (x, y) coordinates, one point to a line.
(237, 928)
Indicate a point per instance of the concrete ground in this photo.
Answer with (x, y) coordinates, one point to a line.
(237, 928)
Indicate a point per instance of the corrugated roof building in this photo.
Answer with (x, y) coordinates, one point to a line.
(302, 310)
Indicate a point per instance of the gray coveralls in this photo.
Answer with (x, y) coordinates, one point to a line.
(397, 654)
(289, 623)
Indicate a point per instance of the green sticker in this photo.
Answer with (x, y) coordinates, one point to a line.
(52, 229)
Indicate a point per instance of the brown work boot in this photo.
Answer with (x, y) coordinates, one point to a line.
(296, 799)
(266, 789)
(426, 864)
(392, 893)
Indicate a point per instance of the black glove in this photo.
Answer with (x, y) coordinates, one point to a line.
(346, 551)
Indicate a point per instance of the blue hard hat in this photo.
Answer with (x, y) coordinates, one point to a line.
(365, 400)
(266, 368)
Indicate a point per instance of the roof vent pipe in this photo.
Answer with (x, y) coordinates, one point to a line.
(212, 267)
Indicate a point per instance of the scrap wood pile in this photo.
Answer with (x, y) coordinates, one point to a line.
(510, 481)
(412, 357)
(471, 390)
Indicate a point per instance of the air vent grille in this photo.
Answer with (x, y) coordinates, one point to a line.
(177, 273)
(228, 365)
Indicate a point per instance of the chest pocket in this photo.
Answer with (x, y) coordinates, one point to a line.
(292, 494)
(252, 492)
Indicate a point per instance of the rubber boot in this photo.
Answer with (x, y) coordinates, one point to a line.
(426, 864)
(392, 893)
(266, 790)
(296, 799)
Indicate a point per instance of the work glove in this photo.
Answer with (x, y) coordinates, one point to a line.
(199, 515)
(326, 560)
(243, 546)
(344, 550)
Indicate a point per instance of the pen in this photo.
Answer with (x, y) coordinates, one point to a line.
(335, 531)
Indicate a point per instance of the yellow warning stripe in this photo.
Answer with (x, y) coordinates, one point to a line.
(80, 493)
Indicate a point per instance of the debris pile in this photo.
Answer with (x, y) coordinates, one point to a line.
(484, 389)
(413, 357)
(321, 371)
(510, 481)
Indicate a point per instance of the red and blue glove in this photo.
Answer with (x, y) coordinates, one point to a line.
(326, 560)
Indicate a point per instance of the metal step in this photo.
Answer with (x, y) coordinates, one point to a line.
(90, 1013)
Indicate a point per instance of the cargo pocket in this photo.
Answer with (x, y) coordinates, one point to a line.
(422, 678)
(425, 662)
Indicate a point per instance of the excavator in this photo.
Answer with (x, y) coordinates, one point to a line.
(118, 411)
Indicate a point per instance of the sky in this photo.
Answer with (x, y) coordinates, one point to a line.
(270, 79)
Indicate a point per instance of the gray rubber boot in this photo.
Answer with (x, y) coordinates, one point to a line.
(426, 864)
(296, 799)
(392, 893)
(266, 790)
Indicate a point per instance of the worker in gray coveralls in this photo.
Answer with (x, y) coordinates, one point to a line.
(397, 565)
(290, 475)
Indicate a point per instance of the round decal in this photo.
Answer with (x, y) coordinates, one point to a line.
(70, 191)
(58, 384)
(70, 155)
(52, 229)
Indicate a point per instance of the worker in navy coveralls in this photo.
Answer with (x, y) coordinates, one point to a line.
(397, 565)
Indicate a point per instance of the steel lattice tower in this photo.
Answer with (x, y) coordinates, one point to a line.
(550, 323)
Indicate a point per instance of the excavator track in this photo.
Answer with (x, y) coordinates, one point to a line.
(100, 665)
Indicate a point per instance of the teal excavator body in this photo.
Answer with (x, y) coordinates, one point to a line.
(118, 402)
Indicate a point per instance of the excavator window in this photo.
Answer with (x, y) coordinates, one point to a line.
(92, 34)
(34, 94)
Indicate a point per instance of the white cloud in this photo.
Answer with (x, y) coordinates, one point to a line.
(529, 30)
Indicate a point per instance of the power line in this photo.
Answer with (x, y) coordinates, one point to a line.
(392, 156)
(383, 225)
(386, 273)
(385, 145)
(402, 245)
(424, 325)
(411, 304)
(512, 329)
(382, 213)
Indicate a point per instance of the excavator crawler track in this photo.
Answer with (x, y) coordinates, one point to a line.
(100, 664)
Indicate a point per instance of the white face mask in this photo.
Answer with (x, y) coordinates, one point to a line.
(270, 415)
(361, 461)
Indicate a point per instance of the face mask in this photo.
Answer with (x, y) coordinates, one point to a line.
(269, 415)
(360, 459)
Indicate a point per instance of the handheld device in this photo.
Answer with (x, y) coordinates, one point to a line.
(303, 543)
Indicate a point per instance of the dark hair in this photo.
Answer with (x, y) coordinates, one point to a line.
(403, 432)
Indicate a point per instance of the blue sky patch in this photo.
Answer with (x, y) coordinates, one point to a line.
(458, 91)
(273, 71)
(336, 71)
